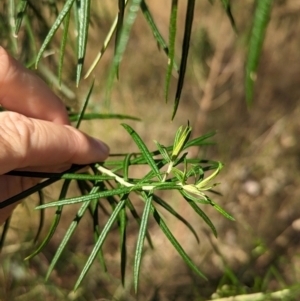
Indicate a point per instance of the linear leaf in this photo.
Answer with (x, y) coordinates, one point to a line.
(63, 176)
(82, 111)
(93, 209)
(204, 182)
(85, 198)
(165, 205)
(180, 141)
(227, 7)
(66, 238)
(194, 199)
(138, 220)
(126, 166)
(140, 240)
(199, 140)
(63, 47)
(4, 232)
(91, 116)
(12, 25)
(100, 242)
(124, 37)
(94, 212)
(185, 51)
(175, 243)
(54, 28)
(119, 28)
(171, 54)
(163, 151)
(104, 46)
(202, 215)
(143, 148)
(123, 225)
(42, 216)
(84, 19)
(260, 23)
(31, 190)
(54, 224)
(222, 211)
(20, 14)
(69, 233)
(159, 38)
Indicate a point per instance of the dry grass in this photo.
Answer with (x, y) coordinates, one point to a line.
(259, 147)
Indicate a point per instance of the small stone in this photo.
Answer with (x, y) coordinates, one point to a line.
(296, 224)
(252, 187)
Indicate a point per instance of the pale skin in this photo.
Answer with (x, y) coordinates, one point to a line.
(35, 134)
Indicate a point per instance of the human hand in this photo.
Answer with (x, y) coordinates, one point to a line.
(35, 133)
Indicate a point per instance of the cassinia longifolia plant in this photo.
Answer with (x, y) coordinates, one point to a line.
(110, 182)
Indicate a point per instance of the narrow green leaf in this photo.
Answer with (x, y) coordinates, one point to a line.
(163, 151)
(140, 240)
(20, 14)
(199, 140)
(260, 23)
(85, 198)
(222, 211)
(12, 25)
(54, 224)
(171, 54)
(126, 166)
(69, 233)
(179, 175)
(94, 212)
(203, 201)
(54, 28)
(185, 51)
(143, 148)
(63, 176)
(175, 243)
(121, 4)
(63, 47)
(159, 38)
(227, 7)
(202, 215)
(32, 41)
(84, 19)
(42, 216)
(82, 111)
(180, 140)
(138, 220)
(104, 46)
(196, 171)
(66, 238)
(165, 205)
(177, 135)
(4, 232)
(203, 183)
(124, 37)
(92, 116)
(35, 188)
(123, 224)
(100, 242)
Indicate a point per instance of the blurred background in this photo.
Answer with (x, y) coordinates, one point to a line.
(259, 252)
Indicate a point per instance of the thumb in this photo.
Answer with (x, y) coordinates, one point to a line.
(28, 142)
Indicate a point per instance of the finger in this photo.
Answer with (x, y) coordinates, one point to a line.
(52, 169)
(24, 92)
(31, 142)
